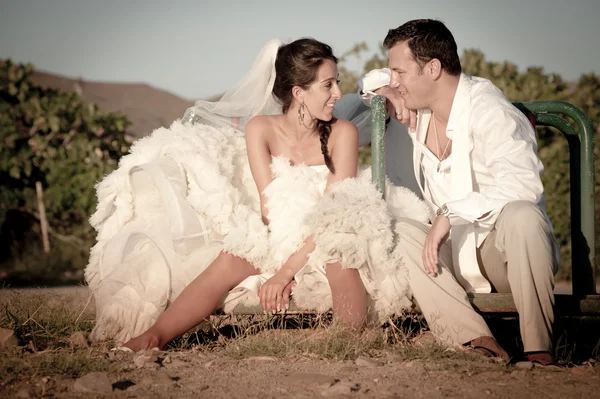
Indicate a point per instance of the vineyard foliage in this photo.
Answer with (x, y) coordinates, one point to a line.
(54, 138)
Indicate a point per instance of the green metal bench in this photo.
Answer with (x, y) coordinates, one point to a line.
(583, 300)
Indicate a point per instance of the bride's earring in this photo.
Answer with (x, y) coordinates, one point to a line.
(301, 114)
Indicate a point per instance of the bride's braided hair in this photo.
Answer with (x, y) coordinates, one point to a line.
(297, 64)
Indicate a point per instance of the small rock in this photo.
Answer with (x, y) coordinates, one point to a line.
(369, 363)
(524, 365)
(96, 382)
(341, 388)
(79, 340)
(167, 360)
(25, 393)
(8, 338)
(337, 389)
(318, 379)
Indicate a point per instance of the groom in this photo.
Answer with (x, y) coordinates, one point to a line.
(476, 164)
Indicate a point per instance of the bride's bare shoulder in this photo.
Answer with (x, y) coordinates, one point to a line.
(343, 128)
(261, 125)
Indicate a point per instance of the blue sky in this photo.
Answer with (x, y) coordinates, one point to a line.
(197, 49)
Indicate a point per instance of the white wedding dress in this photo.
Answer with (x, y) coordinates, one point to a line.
(186, 193)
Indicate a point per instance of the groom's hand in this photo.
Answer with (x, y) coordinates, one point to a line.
(396, 108)
(438, 234)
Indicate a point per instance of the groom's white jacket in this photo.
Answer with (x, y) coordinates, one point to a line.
(494, 162)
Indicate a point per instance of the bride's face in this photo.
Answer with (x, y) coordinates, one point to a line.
(321, 96)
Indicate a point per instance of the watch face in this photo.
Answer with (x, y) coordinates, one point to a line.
(442, 211)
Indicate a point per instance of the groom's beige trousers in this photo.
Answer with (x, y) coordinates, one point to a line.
(517, 257)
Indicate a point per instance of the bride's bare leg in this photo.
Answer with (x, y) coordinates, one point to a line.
(348, 294)
(196, 302)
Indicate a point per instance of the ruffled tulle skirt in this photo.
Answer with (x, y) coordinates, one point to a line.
(186, 193)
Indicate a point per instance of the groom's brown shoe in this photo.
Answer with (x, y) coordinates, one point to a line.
(541, 359)
(488, 346)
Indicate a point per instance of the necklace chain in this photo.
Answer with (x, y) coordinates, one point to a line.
(437, 142)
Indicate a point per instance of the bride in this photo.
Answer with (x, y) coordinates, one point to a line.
(246, 201)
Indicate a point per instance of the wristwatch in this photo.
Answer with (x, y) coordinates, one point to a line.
(443, 211)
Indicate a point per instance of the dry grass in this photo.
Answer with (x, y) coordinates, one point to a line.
(43, 323)
(329, 340)
(330, 343)
(70, 363)
(44, 320)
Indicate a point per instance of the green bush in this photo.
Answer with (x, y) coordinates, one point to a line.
(51, 137)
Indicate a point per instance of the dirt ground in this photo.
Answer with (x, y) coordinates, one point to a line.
(231, 371)
(193, 374)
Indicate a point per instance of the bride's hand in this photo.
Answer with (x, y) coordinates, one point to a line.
(274, 294)
(397, 109)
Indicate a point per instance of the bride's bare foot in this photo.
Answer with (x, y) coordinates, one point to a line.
(145, 341)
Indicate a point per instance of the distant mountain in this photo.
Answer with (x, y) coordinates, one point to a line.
(146, 107)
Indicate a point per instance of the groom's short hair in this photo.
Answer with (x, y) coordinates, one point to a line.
(427, 39)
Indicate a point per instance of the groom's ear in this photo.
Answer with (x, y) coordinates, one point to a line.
(435, 68)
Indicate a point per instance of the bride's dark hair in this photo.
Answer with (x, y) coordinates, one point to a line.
(297, 64)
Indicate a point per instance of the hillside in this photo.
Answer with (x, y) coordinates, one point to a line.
(145, 106)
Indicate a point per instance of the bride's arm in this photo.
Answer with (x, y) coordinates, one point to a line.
(259, 158)
(343, 147)
(344, 152)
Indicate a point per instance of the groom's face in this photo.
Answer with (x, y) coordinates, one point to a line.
(408, 77)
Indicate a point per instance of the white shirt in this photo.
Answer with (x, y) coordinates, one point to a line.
(435, 179)
(494, 161)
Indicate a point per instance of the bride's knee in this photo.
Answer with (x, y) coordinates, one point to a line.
(335, 272)
(234, 265)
